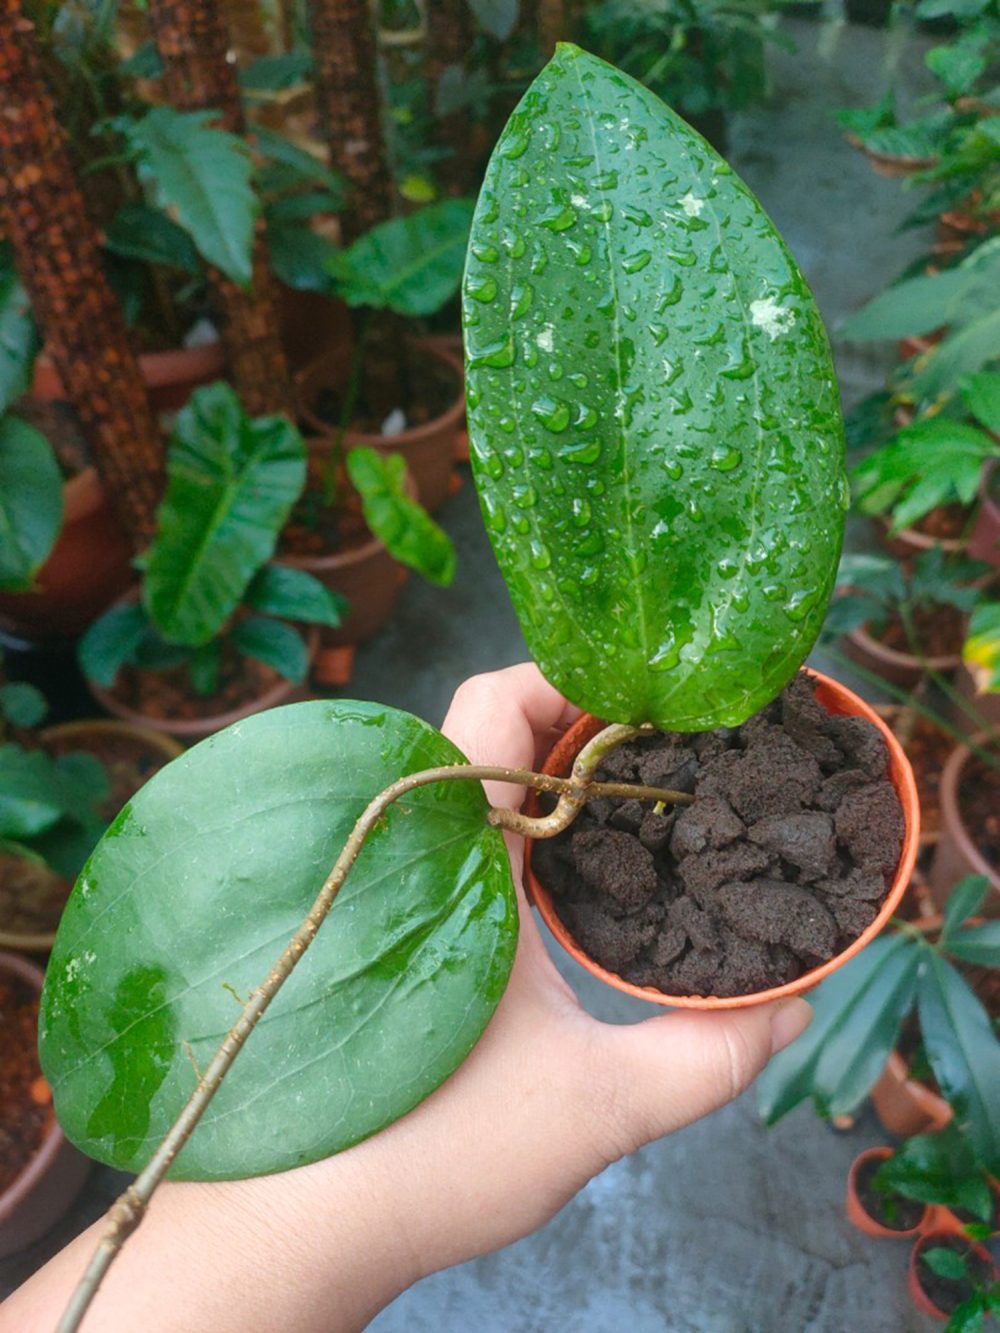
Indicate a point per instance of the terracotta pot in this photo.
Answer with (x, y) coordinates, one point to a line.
(429, 450)
(904, 1105)
(914, 1287)
(69, 736)
(837, 699)
(195, 728)
(89, 566)
(859, 1217)
(984, 543)
(170, 377)
(52, 1178)
(910, 542)
(956, 854)
(971, 684)
(892, 665)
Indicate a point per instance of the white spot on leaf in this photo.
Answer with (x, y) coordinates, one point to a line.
(692, 207)
(774, 319)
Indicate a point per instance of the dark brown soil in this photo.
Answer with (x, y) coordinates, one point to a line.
(947, 1294)
(782, 860)
(316, 528)
(946, 522)
(437, 387)
(168, 696)
(979, 799)
(939, 631)
(927, 748)
(32, 897)
(889, 1210)
(25, 1100)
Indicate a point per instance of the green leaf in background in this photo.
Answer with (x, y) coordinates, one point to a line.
(944, 1262)
(958, 64)
(964, 901)
(205, 667)
(31, 502)
(938, 1168)
(404, 527)
(139, 232)
(656, 431)
(981, 650)
(200, 174)
(496, 17)
(981, 395)
(863, 1002)
(302, 207)
(299, 167)
(144, 63)
(390, 999)
(275, 644)
(21, 704)
(18, 333)
(964, 1054)
(294, 594)
(970, 347)
(29, 801)
(231, 484)
(275, 74)
(411, 264)
(933, 461)
(977, 944)
(300, 257)
(111, 642)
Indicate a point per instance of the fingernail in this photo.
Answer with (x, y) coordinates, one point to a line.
(788, 1022)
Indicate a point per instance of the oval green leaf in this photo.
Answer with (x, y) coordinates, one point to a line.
(31, 502)
(656, 432)
(195, 890)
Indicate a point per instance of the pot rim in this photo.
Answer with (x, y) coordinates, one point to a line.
(892, 656)
(197, 728)
(902, 778)
(951, 810)
(158, 368)
(446, 420)
(883, 1153)
(920, 540)
(44, 1155)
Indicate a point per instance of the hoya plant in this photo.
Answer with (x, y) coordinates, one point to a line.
(659, 451)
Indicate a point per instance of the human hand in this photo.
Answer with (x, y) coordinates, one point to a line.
(548, 1098)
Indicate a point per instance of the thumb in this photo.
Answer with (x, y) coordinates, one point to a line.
(675, 1068)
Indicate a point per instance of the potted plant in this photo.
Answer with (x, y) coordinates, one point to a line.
(927, 478)
(861, 1011)
(185, 659)
(62, 785)
(954, 1279)
(407, 267)
(902, 624)
(970, 834)
(635, 601)
(41, 1173)
(938, 1173)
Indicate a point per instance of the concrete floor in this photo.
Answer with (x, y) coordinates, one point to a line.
(725, 1227)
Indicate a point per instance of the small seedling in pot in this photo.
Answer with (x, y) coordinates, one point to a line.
(659, 452)
(960, 1282)
(943, 1169)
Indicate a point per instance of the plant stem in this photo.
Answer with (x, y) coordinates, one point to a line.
(332, 468)
(127, 1212)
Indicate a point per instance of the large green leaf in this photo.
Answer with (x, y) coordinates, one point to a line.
(231, 484)
(18, 334)
(195, 890)
(856, 1017)
(964, 1054)
(977, 944)
(29, 801)
(656, 434)
(139, 232)
(938, 1168)
(31, 502)
(411, 264)
(200, 174)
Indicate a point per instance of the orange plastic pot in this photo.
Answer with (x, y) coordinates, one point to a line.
(914, 1286)
(906, 1106)
(836, 699)
(170, 377)
(858, 1215)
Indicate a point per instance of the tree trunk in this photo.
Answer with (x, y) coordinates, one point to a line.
(349, 101)
(449, 40)
(193, 45)
(58, 258)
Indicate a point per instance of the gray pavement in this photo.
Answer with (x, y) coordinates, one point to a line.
(726, 1227)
